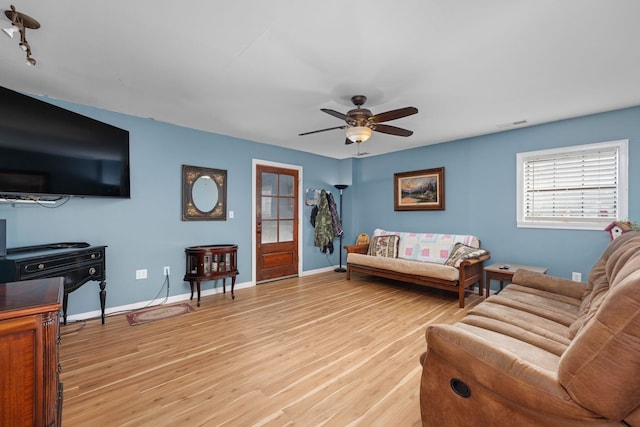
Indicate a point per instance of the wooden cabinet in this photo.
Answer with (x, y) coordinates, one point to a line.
(211, 262)
(30, 389)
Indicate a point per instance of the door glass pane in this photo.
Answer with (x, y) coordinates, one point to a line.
(269, 232)
(286, 185)
(269, 184)
(269, 208)
(277, 210)
(286, 208)
(286, 231)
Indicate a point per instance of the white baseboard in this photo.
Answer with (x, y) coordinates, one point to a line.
(318, 270)
(176, 298)
(138, 305)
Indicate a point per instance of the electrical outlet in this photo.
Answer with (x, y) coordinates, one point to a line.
(167, 270)
(576, 277)
(141, 274)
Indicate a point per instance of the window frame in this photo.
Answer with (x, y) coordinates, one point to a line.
(622, 146)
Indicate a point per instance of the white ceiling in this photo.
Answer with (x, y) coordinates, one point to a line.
(261, 70)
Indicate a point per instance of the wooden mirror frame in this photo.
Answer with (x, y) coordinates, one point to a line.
(190, 211)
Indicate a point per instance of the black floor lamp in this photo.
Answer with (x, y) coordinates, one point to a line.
(341, 187)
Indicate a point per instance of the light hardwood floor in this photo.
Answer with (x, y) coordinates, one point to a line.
(311, 351)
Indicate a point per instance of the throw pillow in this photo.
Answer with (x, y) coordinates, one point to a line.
(386, 246)
(460, 252)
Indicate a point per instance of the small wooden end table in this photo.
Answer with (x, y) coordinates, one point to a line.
(494, 272)
(211, 262)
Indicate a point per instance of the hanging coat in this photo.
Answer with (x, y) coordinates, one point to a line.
(314, 214)
(337, 223)
(324, 225)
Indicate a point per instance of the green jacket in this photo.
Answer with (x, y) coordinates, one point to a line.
(324, 224)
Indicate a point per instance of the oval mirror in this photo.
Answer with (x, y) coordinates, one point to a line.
(204, 193)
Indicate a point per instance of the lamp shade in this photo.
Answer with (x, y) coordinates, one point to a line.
(358, 133)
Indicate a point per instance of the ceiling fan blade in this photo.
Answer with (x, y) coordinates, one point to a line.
(393, 114)
(392, 130)
(334, 113)
(322, 130)
(347, 141)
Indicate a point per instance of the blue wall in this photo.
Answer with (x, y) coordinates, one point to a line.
(480, 184)
(146, 231)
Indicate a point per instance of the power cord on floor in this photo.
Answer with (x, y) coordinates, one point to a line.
(84, 323)
(166, 298)
(114, 313)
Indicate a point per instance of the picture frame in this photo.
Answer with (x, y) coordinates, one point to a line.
(204, 194)
(421, 190)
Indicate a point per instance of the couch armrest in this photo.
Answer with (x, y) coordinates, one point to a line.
(472, 261)
(357, 249)
(491, 373)
(471, 271)
(548, 283)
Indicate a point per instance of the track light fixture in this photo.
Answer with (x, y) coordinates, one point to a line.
(19, 24)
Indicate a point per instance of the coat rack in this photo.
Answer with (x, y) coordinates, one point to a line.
(340, 187)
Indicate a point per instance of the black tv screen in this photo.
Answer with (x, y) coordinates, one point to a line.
(46, 150)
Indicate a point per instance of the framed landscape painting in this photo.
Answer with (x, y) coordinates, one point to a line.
(421, 190)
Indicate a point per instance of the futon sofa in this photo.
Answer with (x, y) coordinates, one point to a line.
(444, 261)
(545, 351)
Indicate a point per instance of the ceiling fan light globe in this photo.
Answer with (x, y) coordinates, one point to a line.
(358, 133)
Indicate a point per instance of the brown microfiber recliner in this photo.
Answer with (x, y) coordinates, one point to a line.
(545, 351)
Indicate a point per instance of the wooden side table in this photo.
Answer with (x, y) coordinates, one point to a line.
(494, 272)
(211, 262)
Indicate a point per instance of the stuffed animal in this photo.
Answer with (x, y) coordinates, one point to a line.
(618, 228)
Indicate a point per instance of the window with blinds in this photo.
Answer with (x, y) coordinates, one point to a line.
(581, 187)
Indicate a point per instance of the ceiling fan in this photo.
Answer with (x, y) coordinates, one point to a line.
(360, 121)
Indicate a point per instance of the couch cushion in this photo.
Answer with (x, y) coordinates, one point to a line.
(428, 247)
(527, 333)
(531, 353)
(522, 319)
(557, 311)
(399, 265)
(568, 303)
(385, 246)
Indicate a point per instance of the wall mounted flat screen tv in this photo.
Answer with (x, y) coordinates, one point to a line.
(47, 151)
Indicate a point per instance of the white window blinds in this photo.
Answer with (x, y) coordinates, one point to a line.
(575, 185)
